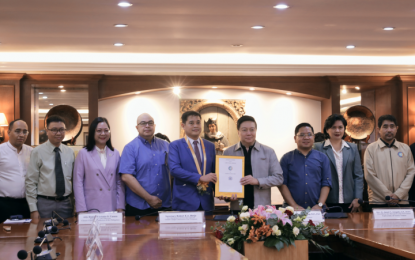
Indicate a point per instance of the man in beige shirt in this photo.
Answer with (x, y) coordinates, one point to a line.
(49, 176)
(389, 166)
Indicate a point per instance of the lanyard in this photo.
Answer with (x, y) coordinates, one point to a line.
(194, 156)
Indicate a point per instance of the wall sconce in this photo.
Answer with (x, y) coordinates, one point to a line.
(3, 122)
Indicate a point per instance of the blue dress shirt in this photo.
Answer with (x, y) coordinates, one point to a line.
(306, 175)
(148, 163)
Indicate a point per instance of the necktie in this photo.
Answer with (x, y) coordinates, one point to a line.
(60, 180)
(199, 160)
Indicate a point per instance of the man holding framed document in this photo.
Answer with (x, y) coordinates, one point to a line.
(261, 168)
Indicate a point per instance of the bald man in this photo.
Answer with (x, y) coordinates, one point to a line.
(14, 159)
(143, 168)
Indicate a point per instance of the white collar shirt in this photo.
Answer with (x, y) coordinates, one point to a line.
(338, 156)
(13, 168)
(102, 155)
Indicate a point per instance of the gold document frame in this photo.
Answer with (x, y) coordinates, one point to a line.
(229, 194)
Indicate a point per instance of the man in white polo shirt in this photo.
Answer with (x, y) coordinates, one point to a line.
(14, 158)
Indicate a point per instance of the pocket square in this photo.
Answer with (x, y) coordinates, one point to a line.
(184, 184)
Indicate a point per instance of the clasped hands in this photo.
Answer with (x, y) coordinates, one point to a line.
(394, 200)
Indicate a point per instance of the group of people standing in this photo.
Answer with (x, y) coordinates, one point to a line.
(153, 174)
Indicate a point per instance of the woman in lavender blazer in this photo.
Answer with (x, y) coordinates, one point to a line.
(96, 182)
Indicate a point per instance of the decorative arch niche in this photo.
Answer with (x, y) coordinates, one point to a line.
(235, 107)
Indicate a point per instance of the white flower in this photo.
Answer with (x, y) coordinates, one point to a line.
(274, 229)
(268, 210)
(244, 208)
(296, 231)
(290, 209)
(278, 233)
(230, 241)
(244, 216)
(231, 219)
(243, 229)
(281, 209)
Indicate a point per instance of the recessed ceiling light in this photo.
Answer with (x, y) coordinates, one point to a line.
(50, 104)
(124, 4)
(40, 93)
(357, 88)
(60, 86)
(120, 25)
(344, 91)
(252, 89)
(137, 93)
(214, 87)
(281, 6)
(118, 44)
(176, 90)
(236, 45)
(350, 46)
(389, 28)
(289, 93)
(258, 27)
(45, 97)
(63, 90)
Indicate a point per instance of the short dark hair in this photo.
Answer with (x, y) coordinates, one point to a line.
(54, 118)
(90, 145)
(189, 113)
(245, 119)
(330, 122)
(297, 128)
(162, 136)
(319, 137)
(386, 117)
(14, 121)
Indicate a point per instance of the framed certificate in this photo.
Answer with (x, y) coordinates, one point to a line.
(229, 170)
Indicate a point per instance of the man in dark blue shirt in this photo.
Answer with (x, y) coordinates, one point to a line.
(307, 175)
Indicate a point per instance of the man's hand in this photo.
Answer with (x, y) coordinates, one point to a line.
(394, 199)
(34, 215)
(316, 207)
(249, 180)
(120, 210)
(354, 205)
(211, 177)
(232, 198)
(154, 202)
(298, 208)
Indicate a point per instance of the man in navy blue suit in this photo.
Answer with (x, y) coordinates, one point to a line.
(192, 163)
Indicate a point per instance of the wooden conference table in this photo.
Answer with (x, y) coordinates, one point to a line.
(143, 239)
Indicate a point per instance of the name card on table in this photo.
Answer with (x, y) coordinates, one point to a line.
(314, 215)
(385, 213)
(182, 231)
(387, 223)
(102, 218)
(181, 217)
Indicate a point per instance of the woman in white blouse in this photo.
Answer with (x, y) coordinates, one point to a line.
(345, 164)
(97, 184)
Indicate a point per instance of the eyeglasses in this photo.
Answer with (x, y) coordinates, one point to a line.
(305, 135)
(149, 123)
(55, 130)
(103, 131)
(19, 132)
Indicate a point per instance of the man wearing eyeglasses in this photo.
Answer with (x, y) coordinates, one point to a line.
(14, 158)
(307, 173)
(143, 168)
(49, 176)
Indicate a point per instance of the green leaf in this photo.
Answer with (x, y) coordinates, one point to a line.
(292, 242)
(301, 237)
(270, 241)
(279, 245)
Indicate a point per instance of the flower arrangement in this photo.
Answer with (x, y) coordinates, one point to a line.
(202, 188)
(276, 227)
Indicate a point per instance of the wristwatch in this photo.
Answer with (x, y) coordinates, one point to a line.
(320, 204)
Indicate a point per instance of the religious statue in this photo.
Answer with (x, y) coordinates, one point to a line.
(213, 135)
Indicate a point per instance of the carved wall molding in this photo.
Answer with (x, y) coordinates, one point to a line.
(235, 107)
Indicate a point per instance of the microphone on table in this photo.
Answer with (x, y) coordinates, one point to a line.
(360, 201)
(390, 198)
(23, 254)
(340, 214)
(138, 217)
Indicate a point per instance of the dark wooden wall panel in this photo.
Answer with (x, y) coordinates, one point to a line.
(7, 105)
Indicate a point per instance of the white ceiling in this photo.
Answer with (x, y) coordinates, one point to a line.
(78, 36)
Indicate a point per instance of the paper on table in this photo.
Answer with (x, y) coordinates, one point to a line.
(231, 171)
(8, 221)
